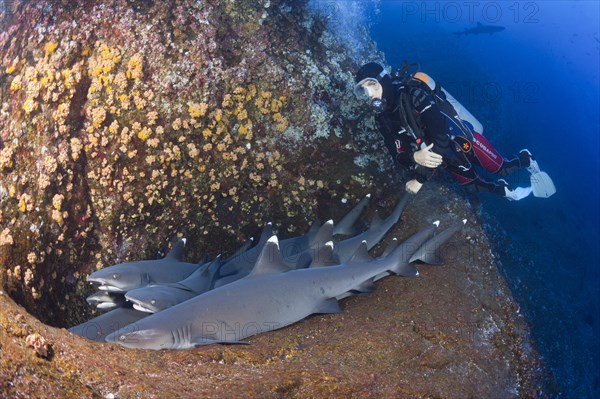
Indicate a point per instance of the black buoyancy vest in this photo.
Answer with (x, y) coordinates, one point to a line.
(409, 118)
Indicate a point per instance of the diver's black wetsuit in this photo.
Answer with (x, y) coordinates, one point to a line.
(434, 124)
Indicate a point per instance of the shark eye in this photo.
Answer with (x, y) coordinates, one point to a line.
(116, 276)
(122, 338)
(153, 301)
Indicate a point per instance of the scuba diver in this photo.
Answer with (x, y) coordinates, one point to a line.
(425, 128)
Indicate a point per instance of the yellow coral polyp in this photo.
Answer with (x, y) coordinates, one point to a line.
(197, 110)
(57, 201)
(98, 116)
(10, 69)
(242, 114)
(218, 115)
(144, 134)
(16, 83)
(134, 67)
(50, 47)
(29, 105)
(22, 204)
(97, 70)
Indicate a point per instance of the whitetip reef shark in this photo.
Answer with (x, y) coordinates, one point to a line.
(117, 320)
(155, 298)
(106, 300)
(480, 29)
(127, 276)
(269, 298)
(375, 233)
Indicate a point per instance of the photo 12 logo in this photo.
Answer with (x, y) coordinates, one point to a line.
(470, 11)
(472, 92)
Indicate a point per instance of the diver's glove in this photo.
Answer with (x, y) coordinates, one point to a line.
(413, 186)
(427, 158)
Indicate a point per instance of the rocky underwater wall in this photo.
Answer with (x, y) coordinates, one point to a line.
(126, 124)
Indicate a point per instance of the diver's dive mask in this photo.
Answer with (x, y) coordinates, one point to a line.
(378, 105)
(370, 90)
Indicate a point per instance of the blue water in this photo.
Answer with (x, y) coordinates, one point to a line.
(534, 85)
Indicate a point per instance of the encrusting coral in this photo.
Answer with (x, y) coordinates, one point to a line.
(123, 128)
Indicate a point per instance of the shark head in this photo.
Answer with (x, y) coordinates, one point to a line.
(105, 300)
(138, 338)
(156, 298)
(120, 278)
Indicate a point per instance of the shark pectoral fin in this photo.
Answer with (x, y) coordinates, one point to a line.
(431, 258)
(406, 270)
(329, 306)
(200, 341)
(365, 288)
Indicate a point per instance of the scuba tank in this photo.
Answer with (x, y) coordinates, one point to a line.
(461, 111)
(459, 116)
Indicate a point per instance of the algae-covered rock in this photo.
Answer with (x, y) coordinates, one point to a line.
(451, 332)
(126, 124)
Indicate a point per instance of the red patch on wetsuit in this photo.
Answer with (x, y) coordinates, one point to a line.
(399, 147)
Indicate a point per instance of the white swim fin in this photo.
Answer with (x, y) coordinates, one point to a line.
(517, 194)
(542, 185)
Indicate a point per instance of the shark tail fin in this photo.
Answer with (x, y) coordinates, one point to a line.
(429, 251)
(404, 251)
(390, 248)
(346, 226)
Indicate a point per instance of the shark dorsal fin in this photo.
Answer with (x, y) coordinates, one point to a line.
(314, 229)
(324, 235)
(269, 260)
(324, 256)
(243, 248)
(213, 266)
(361, 255)
(176, 252)
(376, 221)
(266, 233)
